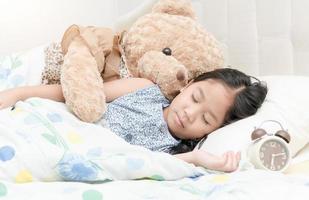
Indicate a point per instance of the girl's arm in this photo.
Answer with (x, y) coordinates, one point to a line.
(112, 90)
(120, 87)
(227, 162)
(11, 96)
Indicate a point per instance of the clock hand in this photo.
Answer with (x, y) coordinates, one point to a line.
(278, 154)
(272, 160)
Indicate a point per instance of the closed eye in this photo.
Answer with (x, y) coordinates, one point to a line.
(194, 99)
(205, 120)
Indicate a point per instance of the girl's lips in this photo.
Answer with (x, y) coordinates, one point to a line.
(179, 121)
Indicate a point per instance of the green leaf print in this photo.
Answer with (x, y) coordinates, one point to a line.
(50, 138)
(15, 62)
(59, 140)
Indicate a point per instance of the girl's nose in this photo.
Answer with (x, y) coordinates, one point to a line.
(192, 113)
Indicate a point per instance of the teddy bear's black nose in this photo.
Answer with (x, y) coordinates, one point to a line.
(167, 51)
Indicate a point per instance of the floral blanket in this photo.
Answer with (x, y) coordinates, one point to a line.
(41, 140)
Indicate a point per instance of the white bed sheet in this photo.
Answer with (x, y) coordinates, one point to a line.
(252, 184)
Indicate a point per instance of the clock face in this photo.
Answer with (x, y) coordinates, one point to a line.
(273, 155)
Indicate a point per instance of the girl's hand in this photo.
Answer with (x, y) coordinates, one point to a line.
(9, 98)
(227, 162)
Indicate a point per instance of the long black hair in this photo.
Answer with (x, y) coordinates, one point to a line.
(248, 99)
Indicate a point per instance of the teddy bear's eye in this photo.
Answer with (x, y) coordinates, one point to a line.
(167, 51)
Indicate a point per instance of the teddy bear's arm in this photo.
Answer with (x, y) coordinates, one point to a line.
(85, 49)
(81, 83)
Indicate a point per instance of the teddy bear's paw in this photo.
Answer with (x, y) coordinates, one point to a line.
(88, 111)
(68, 37)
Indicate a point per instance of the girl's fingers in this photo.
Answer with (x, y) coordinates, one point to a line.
(232, 161)
(238, 156)
(235, 161)
(229, 161)
(224, 159)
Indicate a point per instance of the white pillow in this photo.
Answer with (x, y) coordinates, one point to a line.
(300, 165)
(287, 101)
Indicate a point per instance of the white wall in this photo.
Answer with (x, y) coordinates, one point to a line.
(260, 37)
(28, 23)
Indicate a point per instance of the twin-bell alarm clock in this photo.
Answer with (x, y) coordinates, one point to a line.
(270, 151)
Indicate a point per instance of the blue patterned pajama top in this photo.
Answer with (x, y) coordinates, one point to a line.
(138, 118)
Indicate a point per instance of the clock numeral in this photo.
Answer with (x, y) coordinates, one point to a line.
(261, 155)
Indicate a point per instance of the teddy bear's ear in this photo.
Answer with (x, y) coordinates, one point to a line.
(174, 7)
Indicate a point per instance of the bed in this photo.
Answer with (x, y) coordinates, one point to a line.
(47, 153)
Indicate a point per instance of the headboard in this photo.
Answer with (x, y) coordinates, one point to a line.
(262, 37)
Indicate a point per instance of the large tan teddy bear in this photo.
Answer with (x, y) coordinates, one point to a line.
(167, 46)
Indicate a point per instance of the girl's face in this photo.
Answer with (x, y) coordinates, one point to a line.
(199, 109)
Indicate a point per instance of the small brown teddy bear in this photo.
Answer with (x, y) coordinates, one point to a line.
(167, 46)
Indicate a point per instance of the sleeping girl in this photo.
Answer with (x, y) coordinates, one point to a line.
(138, 112)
